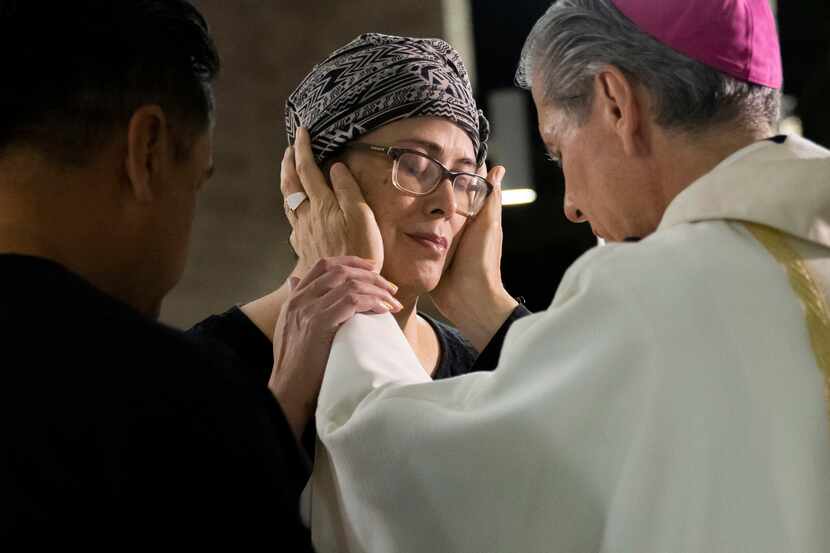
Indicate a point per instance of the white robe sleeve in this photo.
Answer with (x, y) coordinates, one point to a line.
(487, 461)
(563, 448)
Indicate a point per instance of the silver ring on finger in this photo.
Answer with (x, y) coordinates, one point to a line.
(295, 200)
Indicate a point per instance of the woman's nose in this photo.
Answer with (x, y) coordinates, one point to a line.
(442, 200)
(573, 214)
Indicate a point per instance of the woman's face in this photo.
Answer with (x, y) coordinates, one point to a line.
(419, 233)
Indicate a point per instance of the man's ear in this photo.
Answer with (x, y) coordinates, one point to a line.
(148, 143)
(622, 106)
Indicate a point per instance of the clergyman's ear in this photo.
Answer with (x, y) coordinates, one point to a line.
(148, 141)
(621, 106)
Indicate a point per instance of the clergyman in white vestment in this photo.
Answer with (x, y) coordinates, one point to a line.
(668, 400)
(672, 397)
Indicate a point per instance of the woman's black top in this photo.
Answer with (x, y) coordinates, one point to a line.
(237, 332)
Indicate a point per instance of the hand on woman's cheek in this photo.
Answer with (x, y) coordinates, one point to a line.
(454, 247)
(335, 219)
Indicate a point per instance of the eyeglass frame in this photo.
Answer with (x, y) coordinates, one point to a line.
(394, 153)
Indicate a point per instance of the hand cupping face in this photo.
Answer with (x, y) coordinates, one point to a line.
(337, 220)
(334, 220)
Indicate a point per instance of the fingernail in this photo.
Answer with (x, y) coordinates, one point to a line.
(293, 282)
(388, 306)
(392, 287)
(398, 304)
(338, 168)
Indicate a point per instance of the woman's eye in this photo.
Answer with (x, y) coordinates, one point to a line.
(413, 165)
(466, 184)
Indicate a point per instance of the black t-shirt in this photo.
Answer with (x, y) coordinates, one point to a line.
(119, 431)
(236, 331)
(233, 329)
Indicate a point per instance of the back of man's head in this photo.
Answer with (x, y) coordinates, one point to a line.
(75, 71)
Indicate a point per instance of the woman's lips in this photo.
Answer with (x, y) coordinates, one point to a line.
(434, 242)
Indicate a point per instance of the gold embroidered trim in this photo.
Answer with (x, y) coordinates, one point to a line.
(815, 308)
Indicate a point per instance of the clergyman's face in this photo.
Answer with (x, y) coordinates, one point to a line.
(603, 186)
(419, 232)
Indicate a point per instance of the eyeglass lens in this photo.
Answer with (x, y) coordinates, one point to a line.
(420, 175)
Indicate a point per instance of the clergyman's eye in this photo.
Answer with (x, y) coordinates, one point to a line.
(555, 157)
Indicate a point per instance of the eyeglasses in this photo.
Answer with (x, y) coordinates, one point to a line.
(417, 174)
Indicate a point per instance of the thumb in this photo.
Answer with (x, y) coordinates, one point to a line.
(493, 205)
(497, 174)
(346, 189)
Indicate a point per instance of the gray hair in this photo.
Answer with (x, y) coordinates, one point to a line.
(575, 39)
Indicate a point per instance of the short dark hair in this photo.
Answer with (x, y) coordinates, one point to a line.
(75, 71)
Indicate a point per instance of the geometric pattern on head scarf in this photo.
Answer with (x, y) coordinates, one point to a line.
(377, 79)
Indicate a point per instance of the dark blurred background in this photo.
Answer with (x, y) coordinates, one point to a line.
(239, 249)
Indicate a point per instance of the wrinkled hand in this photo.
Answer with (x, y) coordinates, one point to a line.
(329, 295)
(471, 293)
(334, 221)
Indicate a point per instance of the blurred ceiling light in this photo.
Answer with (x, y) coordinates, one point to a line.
(790, 122)
(510, 143)
(791, 125)
(518, 196)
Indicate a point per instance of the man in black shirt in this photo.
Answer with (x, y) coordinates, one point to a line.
(117, 430)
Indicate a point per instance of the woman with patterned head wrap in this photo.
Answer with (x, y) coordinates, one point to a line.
(398, 113)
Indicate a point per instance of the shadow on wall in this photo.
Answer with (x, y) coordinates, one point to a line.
(239, 250)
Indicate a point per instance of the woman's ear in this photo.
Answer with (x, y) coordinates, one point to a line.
(148, 144)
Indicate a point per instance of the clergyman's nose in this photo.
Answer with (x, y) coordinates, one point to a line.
(573, 214)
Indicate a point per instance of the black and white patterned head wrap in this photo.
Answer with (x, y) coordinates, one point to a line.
(377, 79)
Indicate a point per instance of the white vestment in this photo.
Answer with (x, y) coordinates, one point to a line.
(668, 401)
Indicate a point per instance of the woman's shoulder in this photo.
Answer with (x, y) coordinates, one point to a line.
(457, 354)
